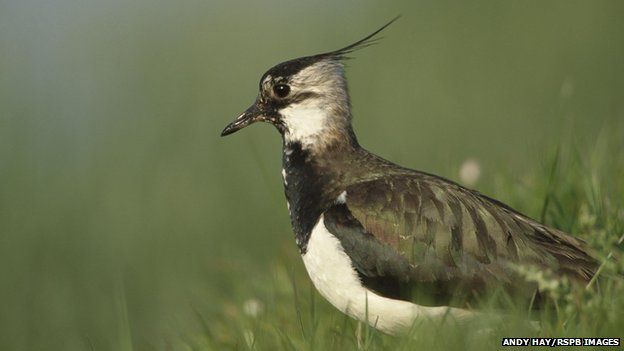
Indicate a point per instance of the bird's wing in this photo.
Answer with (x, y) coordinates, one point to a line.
(419, 229)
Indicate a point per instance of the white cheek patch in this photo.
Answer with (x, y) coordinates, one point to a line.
(304, 122)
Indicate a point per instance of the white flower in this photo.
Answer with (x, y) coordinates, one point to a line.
(470, 171)
(252, 307)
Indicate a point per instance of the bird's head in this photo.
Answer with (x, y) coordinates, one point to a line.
(306, 98)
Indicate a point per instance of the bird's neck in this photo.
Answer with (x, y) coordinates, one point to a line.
(313, 179)
(317, 124)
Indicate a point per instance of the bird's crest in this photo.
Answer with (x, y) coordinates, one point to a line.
(293, 66)
(367, 41)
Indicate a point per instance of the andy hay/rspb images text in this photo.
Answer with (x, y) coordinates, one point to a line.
(554, 342)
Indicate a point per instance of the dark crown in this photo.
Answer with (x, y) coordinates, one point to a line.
(291, 67)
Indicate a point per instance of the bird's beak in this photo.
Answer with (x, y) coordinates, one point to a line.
(251, 115)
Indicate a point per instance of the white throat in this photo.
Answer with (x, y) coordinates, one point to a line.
(305, 122)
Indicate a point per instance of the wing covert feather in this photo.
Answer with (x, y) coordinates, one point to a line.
(449, 233)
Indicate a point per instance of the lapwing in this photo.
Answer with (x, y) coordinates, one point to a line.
(386, 244)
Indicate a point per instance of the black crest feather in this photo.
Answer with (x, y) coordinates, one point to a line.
(360, 44)
(291, 67)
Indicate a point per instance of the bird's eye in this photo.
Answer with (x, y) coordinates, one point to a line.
(281, 90)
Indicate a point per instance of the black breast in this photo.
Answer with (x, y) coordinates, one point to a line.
(305, 185)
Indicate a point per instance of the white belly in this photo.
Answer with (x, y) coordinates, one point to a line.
(333, 275)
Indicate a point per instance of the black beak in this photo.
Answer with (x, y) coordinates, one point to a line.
(251, 115)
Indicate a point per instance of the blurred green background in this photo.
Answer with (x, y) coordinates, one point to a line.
(124, 216)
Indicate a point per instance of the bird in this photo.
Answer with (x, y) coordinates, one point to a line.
(388, 245)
